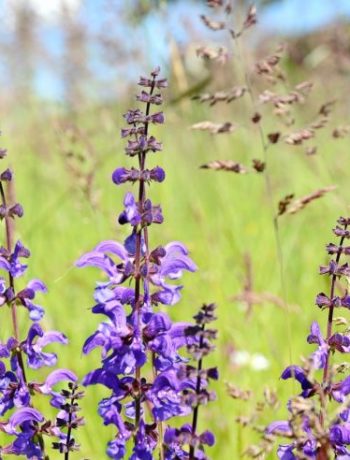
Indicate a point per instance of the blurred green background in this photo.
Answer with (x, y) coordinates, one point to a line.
(64, 146)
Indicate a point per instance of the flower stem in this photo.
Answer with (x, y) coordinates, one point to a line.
(330, 313)
(159, 424)
(198, 389)
(69, 431)
(269, 192)
(12, 304)
(9, 230)
(138, 256)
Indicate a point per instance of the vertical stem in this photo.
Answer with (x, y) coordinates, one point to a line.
(322, 453)
(145, 235)
(12, 304)
(330, 314)
(138, 257)
(198, 389)
(159, 424)
(9, 246)
(69, 431)
(269, 191)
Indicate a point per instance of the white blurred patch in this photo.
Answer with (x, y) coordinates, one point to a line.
(259, 362)
(48, 11)
(255, 361)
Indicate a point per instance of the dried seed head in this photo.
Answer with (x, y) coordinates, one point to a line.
(215, 128)
(274, 137)
(256, 117)
(341, 131)
(237, 393)
(213, 25)
(222, 96)
(225, 165)
(219, 54)
(258, 165)
(299, 204)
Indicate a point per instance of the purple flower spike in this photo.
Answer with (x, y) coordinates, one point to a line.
(132, 334)
(17, 355)
(316, 429)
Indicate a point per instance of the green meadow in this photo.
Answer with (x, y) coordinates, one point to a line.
(220, 216)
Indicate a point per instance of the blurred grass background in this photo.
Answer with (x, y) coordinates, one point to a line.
(219, 216)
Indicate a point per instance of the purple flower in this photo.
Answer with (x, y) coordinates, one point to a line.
(98, 258)
(36, 312)
(285, 452)
(334, 269)
(36, 358)
(21, 416)
(340, 390)
(25, 443)
(125, 132)
(299, 374)
(11, 263)
(340, 434)
(319, 357)
(52, 379)
(122, 175)
(15, 210)
(165, 395)
(280, 426)
(131, 213)
(6, 175)
(164, 339)
(151, 99)
(159, 83)
(145, 443)
(336, 431)
(132, 332)
(143, 144)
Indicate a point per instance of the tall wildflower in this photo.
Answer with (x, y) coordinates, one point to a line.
(185, 442)
(140, 364)
(25, 424)
(319, 423)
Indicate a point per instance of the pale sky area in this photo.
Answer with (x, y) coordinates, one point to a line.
(285, 16)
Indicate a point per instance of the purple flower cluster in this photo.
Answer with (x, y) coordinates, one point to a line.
(185, 442)
(137, 338)
(24, 423)
(314, 432)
